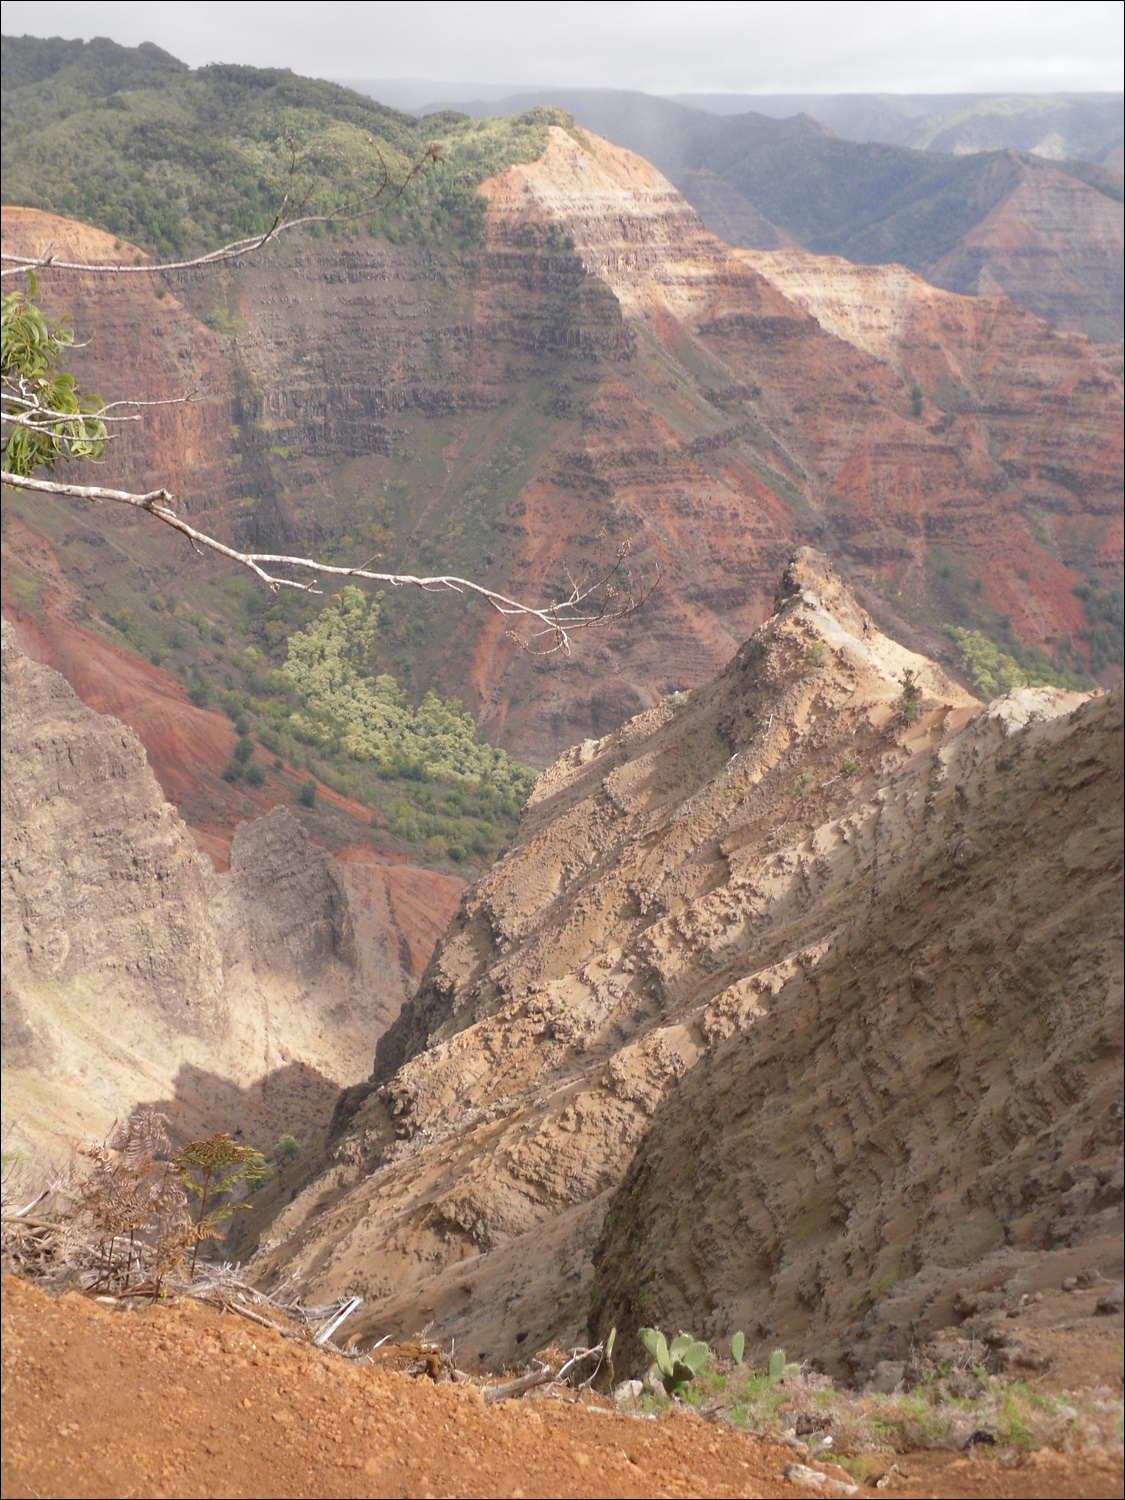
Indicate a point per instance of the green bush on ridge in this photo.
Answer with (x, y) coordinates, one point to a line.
(177, 160)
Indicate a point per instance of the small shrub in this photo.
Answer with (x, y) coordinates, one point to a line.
(907, 706)
(306, 795)
(202, 1167)
(255, 776)
(816, 656)
(287, 1148)
(850, 768)
(803, 784)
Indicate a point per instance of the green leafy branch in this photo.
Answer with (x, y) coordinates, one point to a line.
(45, 419)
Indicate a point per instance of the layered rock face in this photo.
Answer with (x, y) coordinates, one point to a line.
(1051, 243)
(132, 971)
(604, 370)
(800, 814)
(928, 1108)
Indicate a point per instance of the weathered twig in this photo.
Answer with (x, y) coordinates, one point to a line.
(246, 1312)
(329, 1328)
(22, 1213)
(545, 1376)
(510, 1388)
(557, 620)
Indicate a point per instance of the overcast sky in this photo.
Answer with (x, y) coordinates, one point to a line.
(898, 47)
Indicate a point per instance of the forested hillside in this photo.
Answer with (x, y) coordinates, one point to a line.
(133, 141)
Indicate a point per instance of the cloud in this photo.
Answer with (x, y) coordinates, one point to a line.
(653, 45)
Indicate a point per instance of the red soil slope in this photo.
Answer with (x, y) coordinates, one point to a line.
(180, 1401)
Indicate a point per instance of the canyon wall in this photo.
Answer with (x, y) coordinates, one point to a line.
(671, 886)
(603, 370)
(133, 972)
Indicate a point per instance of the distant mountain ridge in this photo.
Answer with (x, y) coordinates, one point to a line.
(1082, 126)
(132, 140)
(1086, 127)
(1059, 249)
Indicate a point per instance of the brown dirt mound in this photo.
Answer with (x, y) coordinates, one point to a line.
(179, 1400)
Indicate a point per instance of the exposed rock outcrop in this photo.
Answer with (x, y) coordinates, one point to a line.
(930, 1105)
(132, 971)
(644, 970)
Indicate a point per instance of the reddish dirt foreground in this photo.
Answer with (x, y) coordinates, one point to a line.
(179, 1400)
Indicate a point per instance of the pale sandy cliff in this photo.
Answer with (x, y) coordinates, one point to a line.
(132, 971)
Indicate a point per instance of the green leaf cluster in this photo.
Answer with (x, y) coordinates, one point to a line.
(31, 351)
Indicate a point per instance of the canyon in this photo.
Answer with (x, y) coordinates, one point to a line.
(134, 973)
(781, 868)
(693, 1052)
(603, 371)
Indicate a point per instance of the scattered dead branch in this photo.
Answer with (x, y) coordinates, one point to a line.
(567, 1374)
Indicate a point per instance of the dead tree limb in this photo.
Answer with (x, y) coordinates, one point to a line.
(585, 605)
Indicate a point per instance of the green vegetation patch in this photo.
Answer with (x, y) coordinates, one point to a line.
(995, 672)
(371, 718)
(938, 1406)
(1105, 610)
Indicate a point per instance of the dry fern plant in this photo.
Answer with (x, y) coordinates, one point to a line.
(134, 1207)
(122, 1225)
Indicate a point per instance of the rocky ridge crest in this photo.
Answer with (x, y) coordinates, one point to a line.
(668, 885)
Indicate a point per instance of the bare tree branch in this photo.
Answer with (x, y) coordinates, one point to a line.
(34, 414)
(20, 265)
(586, 604)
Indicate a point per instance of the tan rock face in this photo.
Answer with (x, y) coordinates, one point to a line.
(665, 883)
(853, 949)
(928, 1105)
(133, 972)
